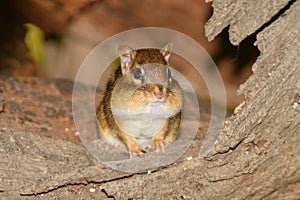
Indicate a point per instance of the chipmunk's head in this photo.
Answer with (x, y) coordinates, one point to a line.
(148, 70)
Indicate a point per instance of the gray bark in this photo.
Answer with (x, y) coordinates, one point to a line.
(256, 155)
(243, 17)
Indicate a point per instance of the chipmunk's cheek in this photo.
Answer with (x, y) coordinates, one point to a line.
(173, 102)
(138, 100)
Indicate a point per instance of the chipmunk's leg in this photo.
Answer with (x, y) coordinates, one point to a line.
(103, 125)
(175, 124)
(167, 134)
(158, 140)
(133, 147)
(118, 134)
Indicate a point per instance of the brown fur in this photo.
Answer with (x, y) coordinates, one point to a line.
(107, 123)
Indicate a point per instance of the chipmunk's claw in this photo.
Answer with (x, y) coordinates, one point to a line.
(158, 143)
(136, 151)
(139, 152)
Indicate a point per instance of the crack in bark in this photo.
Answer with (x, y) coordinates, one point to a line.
(84, 183)
(51, 190)
(281, 13)
(107, 195)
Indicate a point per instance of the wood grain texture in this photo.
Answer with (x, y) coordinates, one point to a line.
(256, 155)
(243, 17)
(32, 164)
(272, 91)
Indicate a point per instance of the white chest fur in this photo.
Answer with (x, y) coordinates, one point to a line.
(142, 124)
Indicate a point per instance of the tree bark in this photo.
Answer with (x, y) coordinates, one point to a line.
(256, 156)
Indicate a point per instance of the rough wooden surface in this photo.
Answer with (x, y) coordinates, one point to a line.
(273, 89)
(35, 166)
(242, 16)
(256, 155)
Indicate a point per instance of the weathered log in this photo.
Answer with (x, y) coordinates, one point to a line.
(256, 155)
(244, 17)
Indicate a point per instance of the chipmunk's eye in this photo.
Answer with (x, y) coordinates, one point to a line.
(137, 73)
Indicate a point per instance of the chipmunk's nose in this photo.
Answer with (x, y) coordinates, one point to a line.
(159, 92)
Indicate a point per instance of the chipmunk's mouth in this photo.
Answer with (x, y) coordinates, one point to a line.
(157, 102)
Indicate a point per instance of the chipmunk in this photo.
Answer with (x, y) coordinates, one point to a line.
(142, 102)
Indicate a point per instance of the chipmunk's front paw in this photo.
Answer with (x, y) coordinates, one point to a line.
(136, 150)
(158, 143)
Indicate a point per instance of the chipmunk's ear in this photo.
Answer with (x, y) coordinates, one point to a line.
(126, 55)
(166, 51)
